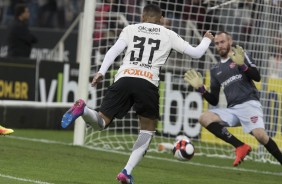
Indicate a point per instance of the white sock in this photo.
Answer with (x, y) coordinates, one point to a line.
(139, 149)
(93, 118)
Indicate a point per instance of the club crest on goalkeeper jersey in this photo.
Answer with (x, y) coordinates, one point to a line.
(148, 47)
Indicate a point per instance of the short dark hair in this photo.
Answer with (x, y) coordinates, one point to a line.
(20, 9)
(152, 10)
(223, 32)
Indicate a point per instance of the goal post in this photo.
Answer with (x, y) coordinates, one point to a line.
(84, 59)
(255, 25)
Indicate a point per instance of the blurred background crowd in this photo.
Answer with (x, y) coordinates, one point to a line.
(241, 18)
(43, 13)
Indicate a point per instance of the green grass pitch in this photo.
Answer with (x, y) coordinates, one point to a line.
(48, 157)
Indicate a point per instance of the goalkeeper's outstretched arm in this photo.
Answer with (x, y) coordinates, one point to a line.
(212, 97)
(195, 79)
(245, 63)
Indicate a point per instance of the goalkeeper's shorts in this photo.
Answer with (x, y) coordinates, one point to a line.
(249, 114)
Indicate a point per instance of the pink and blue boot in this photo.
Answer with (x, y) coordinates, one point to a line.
(73, 113)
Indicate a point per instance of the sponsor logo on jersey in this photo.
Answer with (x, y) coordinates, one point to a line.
(149, 66)
(231, 79)
(137, 72)
(254, 119)
(150, 30)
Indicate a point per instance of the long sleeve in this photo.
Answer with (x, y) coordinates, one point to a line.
(111, 55)
(199, 51)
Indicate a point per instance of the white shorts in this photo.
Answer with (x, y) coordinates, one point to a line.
(249, 114)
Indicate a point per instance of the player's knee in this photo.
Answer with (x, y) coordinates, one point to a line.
(260, 135)
(207, 118)
(105, 118)
(202, 119)
(147, 123)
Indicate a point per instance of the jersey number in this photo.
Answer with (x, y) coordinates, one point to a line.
(140, 44)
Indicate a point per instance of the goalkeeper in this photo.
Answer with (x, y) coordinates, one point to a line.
(136, 82)
(234, 72)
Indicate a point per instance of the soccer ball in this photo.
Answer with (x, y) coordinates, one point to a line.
(180, 137)
(183, 150)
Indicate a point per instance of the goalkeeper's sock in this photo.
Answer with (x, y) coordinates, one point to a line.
(272, 148)
(139, 149)
(221, 132)
(93, 118)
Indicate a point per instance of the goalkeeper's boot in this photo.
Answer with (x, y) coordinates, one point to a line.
(73, 113)
(241, 153)
(5, 131)
(124, 178)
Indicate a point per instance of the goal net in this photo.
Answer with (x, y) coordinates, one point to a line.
(255, 25)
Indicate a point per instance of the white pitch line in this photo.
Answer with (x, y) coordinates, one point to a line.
(158, 158)
(38, 140)
(198, 164)
(23, 179)
(222, 167)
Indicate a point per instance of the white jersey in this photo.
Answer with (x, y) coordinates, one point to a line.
(148, 47)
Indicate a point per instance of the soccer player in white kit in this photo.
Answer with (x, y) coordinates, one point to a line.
(235, 73)
(136, 82)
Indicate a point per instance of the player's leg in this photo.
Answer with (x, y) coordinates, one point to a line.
(261, 135)
(147, 131)
(213, 123)
(116, 103)
(216, 121)
(73, 113)
(96, 119)
(80, 109)
(254, 124)
(146, 105)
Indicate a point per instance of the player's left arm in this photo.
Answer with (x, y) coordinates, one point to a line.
(252, 71)
(245, 63)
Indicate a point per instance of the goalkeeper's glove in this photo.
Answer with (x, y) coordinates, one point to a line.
(195, 79)
(238, 57)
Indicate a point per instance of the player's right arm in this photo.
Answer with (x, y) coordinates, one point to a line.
(110, 57)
